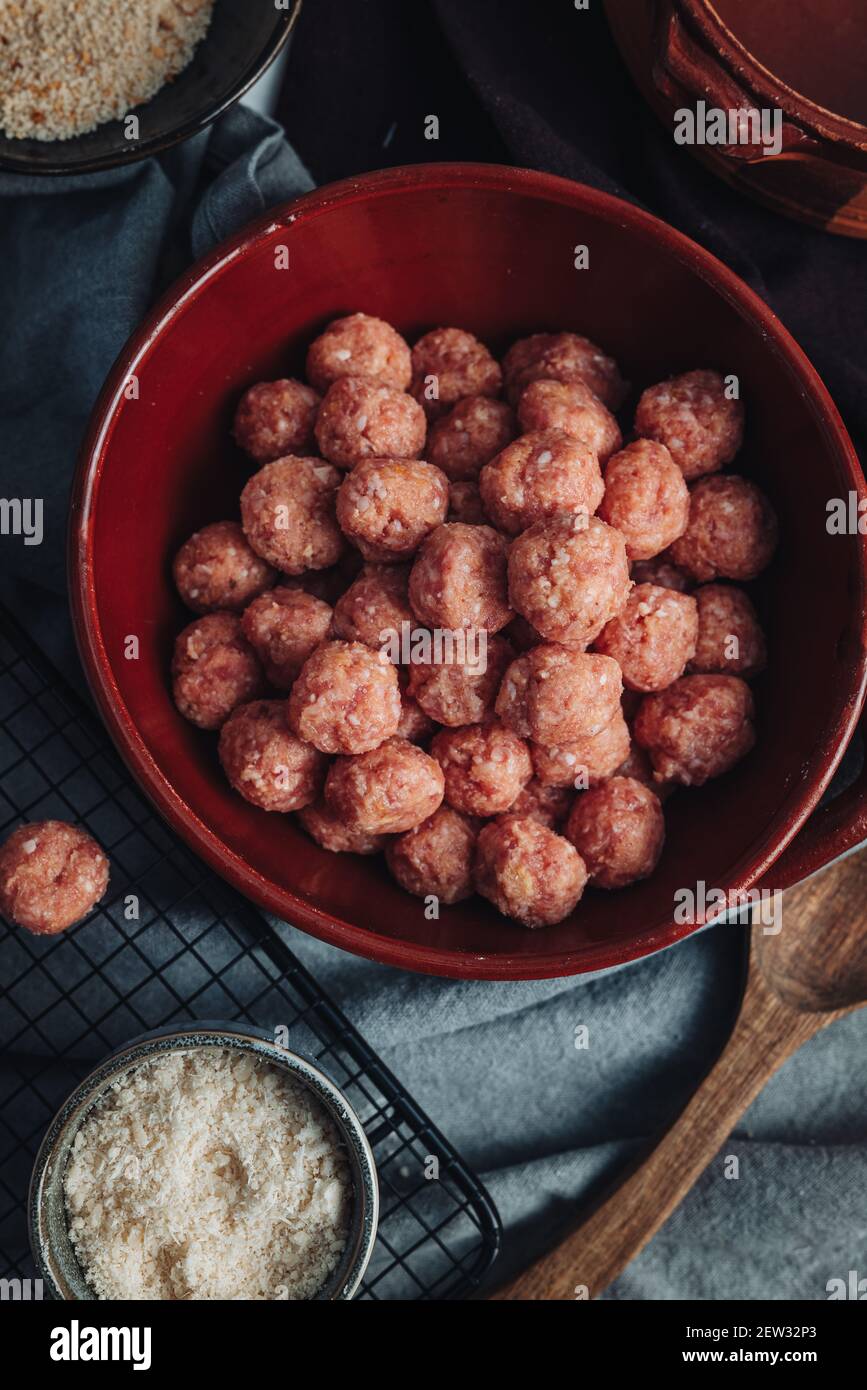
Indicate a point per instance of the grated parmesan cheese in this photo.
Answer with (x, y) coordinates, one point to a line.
(209, 1175)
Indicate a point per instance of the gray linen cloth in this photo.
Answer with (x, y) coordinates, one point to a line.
(545, 1123)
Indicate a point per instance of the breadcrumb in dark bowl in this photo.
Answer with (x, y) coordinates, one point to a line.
(241, 41)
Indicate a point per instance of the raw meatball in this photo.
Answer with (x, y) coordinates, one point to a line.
(570, 406)
(569, 577)
(435, 859)
(283, 627)
(730, 638)
(386, 791)
(638, 765)
(362, 419)
(584, 762)
(619, 830)
(485, 767)
(449, 364)
(661, 571)
(455, 692)
(359, 345)
(415, 726)
(523, 635)
(646, 498)
(214, 669)
(473, 433)
(329, 831)
(555, 695)
(528, 872)
(329, 584)
(346, 699)
(692, 416)
(266, 763)
(459, 579)
(51, 875)
(287, 510)
(539, 476)
(276, 418)
(697, 729)
(653, 638)
(465, 504)
(375, 607)
(547, 805)
(387, 507)
(731, 532)
(562, 357)
(216, 569)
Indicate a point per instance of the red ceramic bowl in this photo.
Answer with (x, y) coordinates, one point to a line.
(491, 249)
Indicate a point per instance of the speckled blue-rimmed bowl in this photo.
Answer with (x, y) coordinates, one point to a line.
(49, 1236)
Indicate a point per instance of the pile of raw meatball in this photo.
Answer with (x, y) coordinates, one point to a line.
(435, 489)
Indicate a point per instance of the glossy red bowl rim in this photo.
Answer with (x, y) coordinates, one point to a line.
(180, 816)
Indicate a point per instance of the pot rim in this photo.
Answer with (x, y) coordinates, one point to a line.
(723, 43)
(447, 962)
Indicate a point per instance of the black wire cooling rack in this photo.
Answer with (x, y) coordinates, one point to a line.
(194, 950)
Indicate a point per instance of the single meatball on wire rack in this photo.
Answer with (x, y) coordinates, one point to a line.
(469, 436)
(359, 345)
(563, 357)
(361, 419)
(275, 418)
(284, 626)
(214, 669)
(449, 364)
(288, 514)
(386, 507)
(346, 699)
(218, 569)
(696, 418)
(265, 762)
(528, 872)
(51, 876)
(540, 476)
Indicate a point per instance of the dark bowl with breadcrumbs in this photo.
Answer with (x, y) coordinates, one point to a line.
(242, 40)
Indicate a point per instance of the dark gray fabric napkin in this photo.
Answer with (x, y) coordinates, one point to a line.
(496, 1065)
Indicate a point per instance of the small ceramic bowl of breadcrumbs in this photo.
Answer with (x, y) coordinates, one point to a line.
(91, 85)
(207, 1164)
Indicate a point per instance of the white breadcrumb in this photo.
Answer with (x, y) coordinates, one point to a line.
(207, 1175)
(67, 66)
